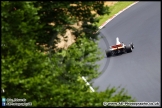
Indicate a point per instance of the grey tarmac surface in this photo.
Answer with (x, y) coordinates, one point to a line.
(138, 72)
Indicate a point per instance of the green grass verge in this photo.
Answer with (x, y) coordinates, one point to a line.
(114, 10)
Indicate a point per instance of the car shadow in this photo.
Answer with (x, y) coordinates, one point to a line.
(116, 55)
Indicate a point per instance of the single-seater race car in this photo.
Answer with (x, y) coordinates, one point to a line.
(119, 48)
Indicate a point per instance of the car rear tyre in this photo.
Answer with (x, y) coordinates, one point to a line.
(108, 53)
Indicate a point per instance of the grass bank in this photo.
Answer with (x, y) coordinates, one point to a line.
(114, 10)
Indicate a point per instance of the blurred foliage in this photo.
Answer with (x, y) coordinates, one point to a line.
(51, 79)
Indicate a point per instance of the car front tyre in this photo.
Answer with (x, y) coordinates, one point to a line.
(132, 45)
(128, 49)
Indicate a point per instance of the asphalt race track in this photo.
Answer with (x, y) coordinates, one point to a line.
(139, 71)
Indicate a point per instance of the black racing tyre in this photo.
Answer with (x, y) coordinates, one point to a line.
(108, 53)
(128, 49)
(131, 44)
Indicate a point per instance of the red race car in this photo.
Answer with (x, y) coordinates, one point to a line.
(119, 48)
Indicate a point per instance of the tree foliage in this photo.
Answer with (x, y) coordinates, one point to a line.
(51, 79)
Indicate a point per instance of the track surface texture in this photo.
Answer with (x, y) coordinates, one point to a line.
(138, 72)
